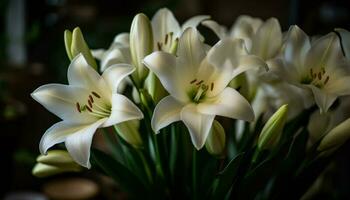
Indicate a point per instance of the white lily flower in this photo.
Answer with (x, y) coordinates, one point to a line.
(263, 39)
(345, 40)
(166, 29)
(320, 66)
(197, 83)
(90, 101)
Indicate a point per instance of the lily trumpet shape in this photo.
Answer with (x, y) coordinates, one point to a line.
(197, 83)
(319, 67)
(89, 102)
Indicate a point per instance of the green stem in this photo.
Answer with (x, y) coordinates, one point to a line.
(194, 173)
(146, 166)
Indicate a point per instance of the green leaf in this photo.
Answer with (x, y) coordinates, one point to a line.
(111, 167)
(226, 178)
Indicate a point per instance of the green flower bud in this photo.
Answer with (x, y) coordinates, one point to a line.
(129, 131)
(42, 170)
(241, 84)
(272, 130)
(56, 158)
(154, 87)
(55, 162)
(216, 140)
(75, 44)
(141, 44)
(336, 137)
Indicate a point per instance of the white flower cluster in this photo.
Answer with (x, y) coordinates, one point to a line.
(254, 63)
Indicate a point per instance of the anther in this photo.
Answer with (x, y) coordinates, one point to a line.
(323, 71)
(91, 99)
(78, 107)
(96, 95)
(89, 109)
(326, 81)
(200, 82)
(166, 39)
(159, 46)
(90, 104)
(211, 86)
(194, 80)
(311, 72)
(319, 75)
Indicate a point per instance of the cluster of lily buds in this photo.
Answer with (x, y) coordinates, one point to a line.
(252, 71)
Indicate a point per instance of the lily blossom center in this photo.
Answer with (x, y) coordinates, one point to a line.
(318, 78)
(167, 43)
(199, 89)
(94, 106)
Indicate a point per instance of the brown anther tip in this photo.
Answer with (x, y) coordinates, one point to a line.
(91, 99)
(90, 104)
(96, 95)
(159, 44)
(319, 75)
(166, 39)
(326, 81)
(211, 86)
(89, 109)
(194, 80)
(78, 107)
(200, 82)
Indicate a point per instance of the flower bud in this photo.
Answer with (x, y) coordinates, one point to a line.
(55, 162)
(141, 44)
(43, 170)
(272, 130)
(56, 158)
(75, 44)
(154, 87)
(129, 131)
(336, 137)
(216, 140)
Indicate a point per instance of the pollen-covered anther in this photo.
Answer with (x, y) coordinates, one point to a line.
(95, 94)
(193, 81)
(326, 80)
(211, 86)
(78, 107)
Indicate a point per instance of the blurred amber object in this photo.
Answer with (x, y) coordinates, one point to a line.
(71, 189)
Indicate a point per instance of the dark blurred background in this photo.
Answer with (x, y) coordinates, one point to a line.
(32, 53)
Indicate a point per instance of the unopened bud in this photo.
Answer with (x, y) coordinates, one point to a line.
(272, 130)
(56, 158)
(336, 137)
(141, 44)
(42, 170)
(154, 87)
(75, 44)
(216, 140)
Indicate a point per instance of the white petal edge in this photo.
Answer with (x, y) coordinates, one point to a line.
(166, 112)
(56, 134)
(198, 124)
(194, 21)
(115, 74)
(164, 66)
(218, 29)
(122, 110)
(323, 99)
(229, 103)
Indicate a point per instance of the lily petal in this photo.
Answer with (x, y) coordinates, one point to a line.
(82, 75)
(122, 110)
(219, 30)
(62, 100)
(122, 39)
(345, 40)
(165, 67)
(323, 99)
(115, 74)
(57, 133)
(197, 123)
(229, 103)
(340, 86)
(296, 47)
(194, 21)
(164, 22)
(325, 52)
(115, 56)
(267, 40)
(166, 112)
(191, 51)
(78, 143)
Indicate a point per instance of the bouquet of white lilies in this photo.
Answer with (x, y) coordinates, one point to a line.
(258, 115)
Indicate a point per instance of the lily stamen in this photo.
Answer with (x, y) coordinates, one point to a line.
(95, 94)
